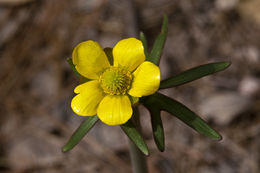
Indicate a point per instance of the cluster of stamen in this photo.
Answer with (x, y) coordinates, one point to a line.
(115, 80)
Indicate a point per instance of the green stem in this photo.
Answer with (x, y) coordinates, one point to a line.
(138, 159)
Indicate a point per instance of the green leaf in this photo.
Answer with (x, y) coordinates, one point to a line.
(109, 54)
(183, 113)
(82, 130)
(157, 126)
(143, 39)
(82, 79)
(133, 134)
(193, 74)
(158, 45)
(69, 60)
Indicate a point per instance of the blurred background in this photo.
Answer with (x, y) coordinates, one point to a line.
(36, 37)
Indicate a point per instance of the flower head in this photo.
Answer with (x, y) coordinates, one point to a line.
(112, 86)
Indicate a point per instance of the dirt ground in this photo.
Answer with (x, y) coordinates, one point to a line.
(36, 37)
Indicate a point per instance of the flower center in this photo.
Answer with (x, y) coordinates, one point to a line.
(115, 80)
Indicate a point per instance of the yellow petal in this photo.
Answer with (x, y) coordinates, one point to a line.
(89, 59)
(115, 110)
(129, 53)
(146, 80)
(86, 102)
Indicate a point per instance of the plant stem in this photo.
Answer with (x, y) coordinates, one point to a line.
(138, 159)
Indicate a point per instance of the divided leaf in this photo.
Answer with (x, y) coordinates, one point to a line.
(82, 130)
(69, 60)
(193, 74)
(157, 126)
(108, 52)
(143, 39)
(183, 113)
(158, 45)
(82, 79)
(133, 134)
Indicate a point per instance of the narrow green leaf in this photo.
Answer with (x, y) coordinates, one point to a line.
(157, 126)
(158, 45)
(69, 60)
(109, 54)
(193, 74)
(143, 39)
(133, 134)
(183, 113)
(82, 130)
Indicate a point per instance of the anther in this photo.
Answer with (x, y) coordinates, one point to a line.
(115, 80)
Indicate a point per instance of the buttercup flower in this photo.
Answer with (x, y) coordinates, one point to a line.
(111, 88)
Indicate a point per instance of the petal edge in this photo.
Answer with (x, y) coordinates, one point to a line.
(146, 80)
(89, 59)
(88, 98)
(129, 53)
(115, 110)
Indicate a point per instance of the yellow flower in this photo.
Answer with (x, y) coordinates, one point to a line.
(111, 87)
